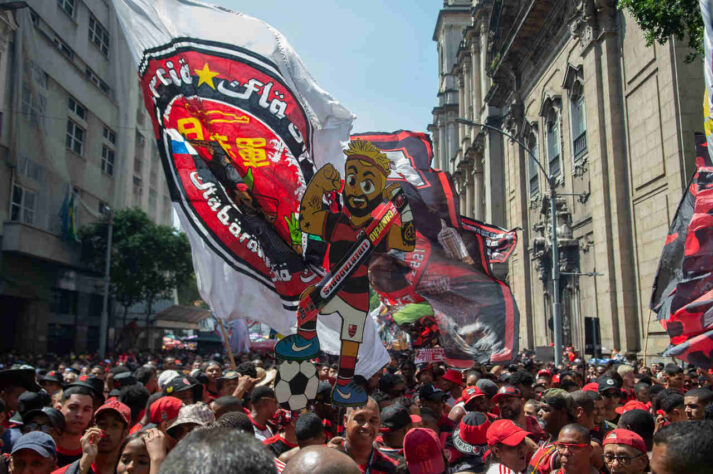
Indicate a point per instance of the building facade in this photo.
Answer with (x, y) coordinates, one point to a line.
(611, 119)
(77, 139)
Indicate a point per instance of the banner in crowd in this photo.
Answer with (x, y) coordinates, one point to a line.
(450, 265)
(241, 128)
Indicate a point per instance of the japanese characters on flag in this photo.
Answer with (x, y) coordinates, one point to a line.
(241, 127)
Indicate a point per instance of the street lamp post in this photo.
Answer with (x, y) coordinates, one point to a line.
(104, 324)
(556, 304)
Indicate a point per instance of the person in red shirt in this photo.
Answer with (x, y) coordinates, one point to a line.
(575, 449)
(395, 422)
(361, 425)
(434, 398)
(286, 438)
(77, 408)
(101, 444)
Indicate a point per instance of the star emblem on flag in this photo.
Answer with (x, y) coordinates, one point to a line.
(205, 76)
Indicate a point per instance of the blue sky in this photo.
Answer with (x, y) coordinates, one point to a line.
(375, 57)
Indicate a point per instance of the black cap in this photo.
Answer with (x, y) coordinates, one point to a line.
(29, 401)
(22, 377)
(123, 379)
(607, 383)
(52, 376)
(184, 382)
(96, 385)
(324, 391)
(55, 416)
(394, 417)
(431, 393)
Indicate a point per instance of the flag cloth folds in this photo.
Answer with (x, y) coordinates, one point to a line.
(241, 127)
(681, 295)
(450, 266)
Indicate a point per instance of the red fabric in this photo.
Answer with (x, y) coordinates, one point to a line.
(625, 437)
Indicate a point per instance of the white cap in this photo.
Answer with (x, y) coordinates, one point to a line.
(165, 377)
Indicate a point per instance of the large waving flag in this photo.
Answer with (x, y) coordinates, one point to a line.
(682, 296)
(450, 266)
(241, 127)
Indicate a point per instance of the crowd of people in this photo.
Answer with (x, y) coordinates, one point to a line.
(193, 414)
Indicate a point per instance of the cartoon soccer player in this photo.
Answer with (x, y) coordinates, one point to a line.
(364, 191)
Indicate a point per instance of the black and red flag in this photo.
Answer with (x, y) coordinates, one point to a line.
(450, 266)
(682, 294)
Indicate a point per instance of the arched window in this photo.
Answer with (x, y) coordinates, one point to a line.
(552, 124)
(579, 121)
(532, 168)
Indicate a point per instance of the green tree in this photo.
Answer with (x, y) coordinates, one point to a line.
(661, 19)
(148, 261)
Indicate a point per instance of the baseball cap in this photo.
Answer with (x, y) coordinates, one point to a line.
(431, 393)
(179, 384)
(607, 383)
(119, 408)
(544, 373)
(632, 405)
(230, 375)
(96, 385)
(165, 408)
(198, 413)
(52, 376)
(559, 399)
(625, 437)
(395, 417)
(29, 401)
(506, 391)
(165, 377)
(488, 387)
(123, 379)
(422, 451)
(505, 432)
(591, 387)
(470, 436)
(55, 416)
(324, 390)
(470, 394)
(453, 375)
(37, 441)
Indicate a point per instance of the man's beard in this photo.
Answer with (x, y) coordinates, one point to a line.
(508, 413)
(362, 211)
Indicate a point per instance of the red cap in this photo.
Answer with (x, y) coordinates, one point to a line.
(632, 405)
(453, 375)
(506, 391)
(505, 432)
(164, 409)
(471, 393)
(544, 372)
(119, 408)
(625, 437)
(422, 451)
(591, 387)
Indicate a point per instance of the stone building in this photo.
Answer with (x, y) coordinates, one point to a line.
(610, 118)
(77, 134)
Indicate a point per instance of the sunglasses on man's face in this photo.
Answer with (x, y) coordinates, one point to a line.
(622, 460)
(572, 447)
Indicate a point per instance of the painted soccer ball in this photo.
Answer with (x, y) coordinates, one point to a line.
(296, 384)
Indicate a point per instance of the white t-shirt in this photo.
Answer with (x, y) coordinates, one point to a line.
(497, 468)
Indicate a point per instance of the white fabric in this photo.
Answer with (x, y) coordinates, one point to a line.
(231, 295)
(497, 468)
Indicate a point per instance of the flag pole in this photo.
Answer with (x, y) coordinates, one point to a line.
(227, 345)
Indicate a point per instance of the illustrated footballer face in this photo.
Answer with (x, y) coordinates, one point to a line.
(363, 186)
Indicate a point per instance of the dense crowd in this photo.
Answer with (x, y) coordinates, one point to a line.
(190, 414)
